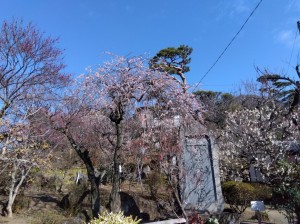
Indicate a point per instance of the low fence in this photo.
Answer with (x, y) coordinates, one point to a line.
(170, 221)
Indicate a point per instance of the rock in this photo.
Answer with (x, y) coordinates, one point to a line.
(128, 205)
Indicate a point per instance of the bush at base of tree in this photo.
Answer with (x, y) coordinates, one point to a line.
(155, 181)
(263, 192)
(286, 193)
(287, 199)
(21, 202)
(238, 195)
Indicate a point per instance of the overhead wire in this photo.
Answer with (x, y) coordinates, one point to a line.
(292, 52)
(228, 45)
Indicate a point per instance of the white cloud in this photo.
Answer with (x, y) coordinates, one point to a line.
(232, 8)
(240, 6)
(288, 38)
(293, 6)
(129, 8)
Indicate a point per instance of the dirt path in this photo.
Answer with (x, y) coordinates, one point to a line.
(14, 220)
(274, 216)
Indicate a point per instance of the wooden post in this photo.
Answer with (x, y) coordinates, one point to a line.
(258, 216)
(258, 206)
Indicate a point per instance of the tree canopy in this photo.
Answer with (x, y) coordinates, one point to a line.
(173, 60)
(285, 88)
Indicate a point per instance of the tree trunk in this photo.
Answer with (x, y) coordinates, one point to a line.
(140, 171)
(114, 200)
(95, 199)
(14, 189)
(94, 180)
(11, 197)
(9, 210)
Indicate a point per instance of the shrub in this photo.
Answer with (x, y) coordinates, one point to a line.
(21, 202)
(286, 195)
(129, 171)
(287, 199)
(114, 218)
(77, 193)
(46, 183)
(155, 181)
(4, 183)
(263, 192)
(263, 215)
(238, 195)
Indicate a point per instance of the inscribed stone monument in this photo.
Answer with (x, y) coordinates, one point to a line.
(200, 180)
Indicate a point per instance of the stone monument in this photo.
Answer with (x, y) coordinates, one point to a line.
(200, 180)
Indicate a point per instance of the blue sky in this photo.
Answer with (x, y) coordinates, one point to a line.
(88, 28)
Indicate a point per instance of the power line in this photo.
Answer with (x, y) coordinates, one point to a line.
(228, 45)
(294, 42)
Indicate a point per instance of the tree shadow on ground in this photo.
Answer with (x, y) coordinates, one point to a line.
(46, 198)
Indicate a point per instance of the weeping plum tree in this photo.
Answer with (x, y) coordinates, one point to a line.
(98, 114)
(75, 121)
(31, 70)
(121, 86)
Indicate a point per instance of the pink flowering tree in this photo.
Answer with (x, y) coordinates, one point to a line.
(101, 113)
(31, 66)
(121, 86)
(31, 71)
(81, 130)
(24, 149)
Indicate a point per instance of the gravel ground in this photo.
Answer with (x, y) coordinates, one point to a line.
(274, 216)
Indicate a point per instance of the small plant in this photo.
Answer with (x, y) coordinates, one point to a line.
(114, 218)
(195, 218)
(263, 215)
(212, 221)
